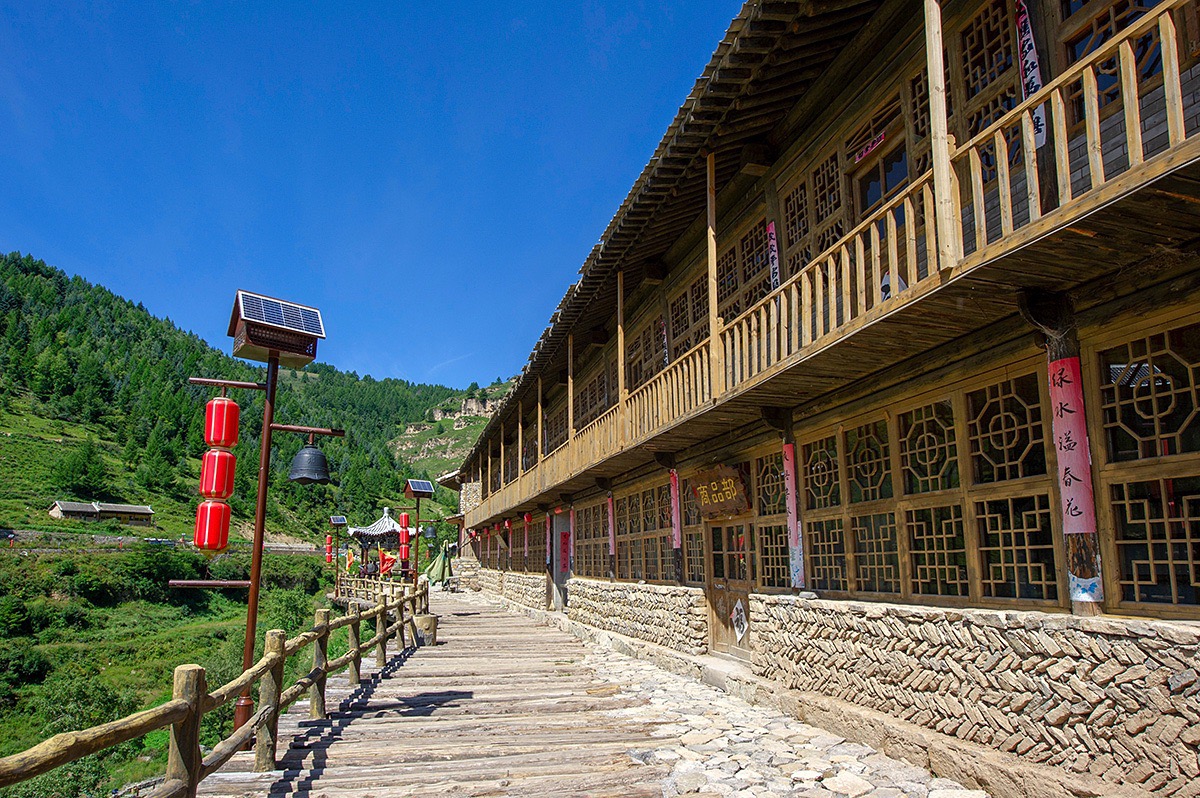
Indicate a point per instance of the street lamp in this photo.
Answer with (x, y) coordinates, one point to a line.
(276, 332)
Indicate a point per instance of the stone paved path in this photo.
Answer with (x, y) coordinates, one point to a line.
(503, 706)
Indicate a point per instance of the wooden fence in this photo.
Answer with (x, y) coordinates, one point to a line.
(186, 766)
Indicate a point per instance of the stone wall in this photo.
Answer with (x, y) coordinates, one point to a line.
(489, 581)
(1111, 698)
(469, 496)
(466, 567)
(528, 590)
(675, 617)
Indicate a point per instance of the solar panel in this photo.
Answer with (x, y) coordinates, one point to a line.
(421, 488)
(278, 313)
(337, 520)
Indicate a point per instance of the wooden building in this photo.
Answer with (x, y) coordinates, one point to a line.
(902, 310)
(127, 514)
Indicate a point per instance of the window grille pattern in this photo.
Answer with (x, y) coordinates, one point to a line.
(555, 428)
(827, 189)
(494, 474)
(689, 318)
(1105, 22)
(510, 461)
(1157, 530)
(1149, 396)
(868, 464)
(826, 554)
(529, 455)
(928, 451)
(594, 396)
(876, 553)
(774, 563)
(940, 535)
(1016, 548)
(643, 521)
(795, 220)
(770, 505)
(693, 534)
(646, 353)
(591, 540)
(1005, 429)
(937, 551)
(733, 552)
(821, 486)
(770, 495)
(536, 532)
(988, 47)
(742, 274)
(984, 114)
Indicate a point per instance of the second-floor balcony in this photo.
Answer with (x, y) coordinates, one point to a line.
(1080, 180)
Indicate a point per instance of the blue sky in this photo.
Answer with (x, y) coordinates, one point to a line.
(430, 175)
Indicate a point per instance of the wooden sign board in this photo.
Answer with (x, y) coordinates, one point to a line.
(721, 492)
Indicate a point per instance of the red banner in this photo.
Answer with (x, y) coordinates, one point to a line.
(1069, 427)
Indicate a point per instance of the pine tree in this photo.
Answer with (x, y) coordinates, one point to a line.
(81, 471)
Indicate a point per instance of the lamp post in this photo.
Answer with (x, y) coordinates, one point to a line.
(275, 332)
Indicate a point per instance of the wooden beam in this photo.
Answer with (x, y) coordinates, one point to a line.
(945, 201)
(622, 398)
(604, 483)
(715, 356)
(541, 434)
(665, 459)
(655, 272)
(777, 418)
(571, 387)
(756, 159)
(597, 336)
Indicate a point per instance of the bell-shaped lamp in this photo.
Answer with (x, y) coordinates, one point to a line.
(309, 466)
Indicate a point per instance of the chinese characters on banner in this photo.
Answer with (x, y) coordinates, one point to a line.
(1069, 427)
(612, 527)
(795, 551)
(741, 624)
(773, 254)
(1031, 71)
(676, 512)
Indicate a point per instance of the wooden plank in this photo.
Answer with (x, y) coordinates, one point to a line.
(1130, 103)
(1172, 93)
(1091, 113)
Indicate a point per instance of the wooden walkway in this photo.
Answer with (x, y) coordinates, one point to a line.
(501, 706)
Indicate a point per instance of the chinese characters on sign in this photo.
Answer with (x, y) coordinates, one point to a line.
(795, 551)
(740, 623)
(773, 255)
(1070, 441)
(720, 492)
(1031, 71)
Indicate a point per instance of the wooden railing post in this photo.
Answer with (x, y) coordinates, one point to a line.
(270, 687)
(183, 756)
(353, 640)
(405, 642)
(381, 625)
(316, 693)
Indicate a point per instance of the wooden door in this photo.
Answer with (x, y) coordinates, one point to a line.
(560, 561)
(730, 578)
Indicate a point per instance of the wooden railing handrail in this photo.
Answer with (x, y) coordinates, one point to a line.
(699, 350)
(595, 422)
(185, 768)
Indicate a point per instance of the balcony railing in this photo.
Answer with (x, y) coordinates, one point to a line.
(1111, 126)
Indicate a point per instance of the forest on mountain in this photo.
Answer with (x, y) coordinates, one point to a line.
(94, 389)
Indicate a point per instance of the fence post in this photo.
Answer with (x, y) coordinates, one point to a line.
(316, 693)
(183, 756)
(354, 675)
(381, 625)
(406, 610)
(270, 687)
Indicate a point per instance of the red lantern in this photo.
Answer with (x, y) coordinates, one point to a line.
(329, 548)
(404, 552)
(221, 422)
(211, 535)
(507, 524)
(216, 474)
(404, 537)
(529, 518)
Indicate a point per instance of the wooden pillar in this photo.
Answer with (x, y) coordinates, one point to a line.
(316, 693)
(716, 355)
(270, 688)
(520, 435)
(353, 642)
(503, 476)
(949, 226)
(487, 485)
(622, 396)
(612, 536)
(1054, 314)
(677, 526)
(183, 754)
(571, 386)
(541, 432)
(381, 625)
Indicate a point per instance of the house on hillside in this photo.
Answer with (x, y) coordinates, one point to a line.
(885, 380)
(127, 514)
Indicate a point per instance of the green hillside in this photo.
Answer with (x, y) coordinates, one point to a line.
(441, 441)
(95, 406)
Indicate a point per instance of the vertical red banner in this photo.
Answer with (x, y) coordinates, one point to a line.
(569, 559)
(549, 539)
(1069, 427)
(676, 512)
(612, 527)
(795, 546)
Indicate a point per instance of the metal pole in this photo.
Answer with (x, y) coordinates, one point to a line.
(416, 550)
(242, 709)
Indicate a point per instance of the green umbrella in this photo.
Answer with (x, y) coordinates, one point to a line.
(439, 570)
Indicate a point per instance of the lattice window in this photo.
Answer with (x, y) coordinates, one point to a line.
(868, 464)
(511, 456)
(555, 428)
(827, 190)
(535, 562)
(733, 552)
(689, 317)
(644, 536)
(1005, 429)
(795, 219)
(937, 551)
(646, 354)
(594, 396)
(1016, 548)
(770, 496)
(1157, 530)
(1098, 26)
(988, 47)
(773, 555)
(591, 540)
(742, 274)
(1149, 395)
(984, 114)
(664, 506)
(928, 451)
(529, 452)
(821, 487)
(693, 534)
(876, 553)
(494, 481)
(826, 554)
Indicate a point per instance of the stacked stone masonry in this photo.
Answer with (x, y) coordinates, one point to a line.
(1115, 698)
(528, 590)
(674, 617)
